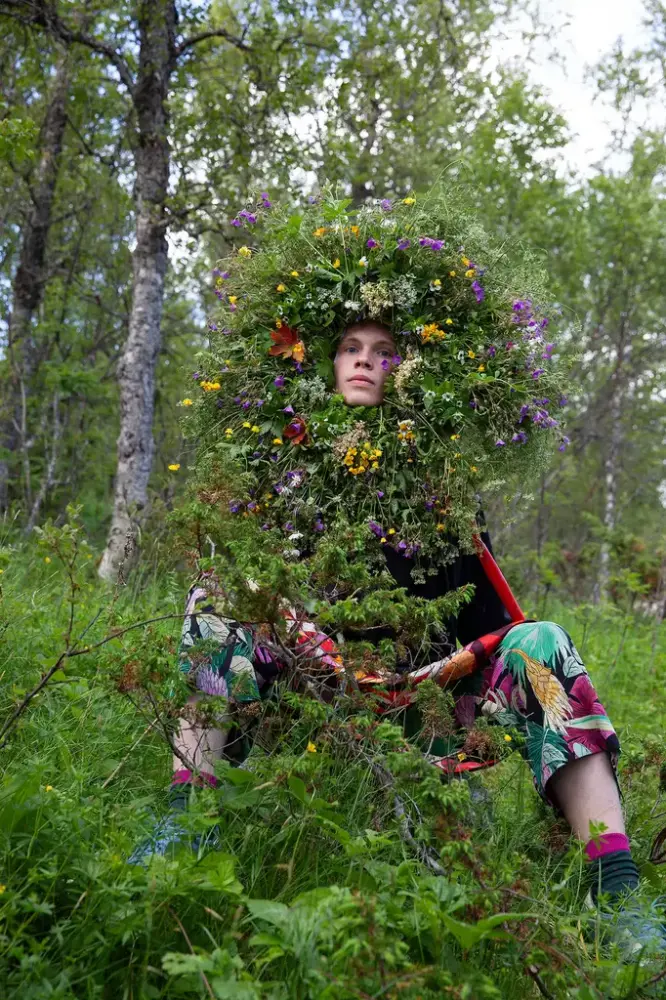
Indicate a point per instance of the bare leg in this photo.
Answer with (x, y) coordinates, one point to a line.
(586, 792)
(199, 745)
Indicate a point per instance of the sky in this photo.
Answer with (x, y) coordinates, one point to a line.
(588, 29)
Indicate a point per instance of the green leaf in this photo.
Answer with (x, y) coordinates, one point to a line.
(269, 910)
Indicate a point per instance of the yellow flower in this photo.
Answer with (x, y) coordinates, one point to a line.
(452, 274)
(391, 531)
(458, 454)
(408, 201)
(254, 429)
(455, 437)
(48, 788)
(441, 527)
(47, 559)
(228, 431)
(355, 230)
(481, 368)
(382, 540)
(336, 262)
(3, 888)
(449, 321)
(437, 283)
(186, 402)
(174, 467)
(279, 288)
(277, 440)
(294, 274)
(473, 468)
(470, 273)
(233, 299)
(462, 756)
(321, 231)
(466, 261)
(278, 324)
(507, 737)
(471, 354)
(247, 424)
(1, 571)
(311, 747)
(244, 252)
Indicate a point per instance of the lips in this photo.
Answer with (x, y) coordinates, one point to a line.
(361, 379)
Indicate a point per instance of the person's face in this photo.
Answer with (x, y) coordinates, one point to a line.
(359, 374)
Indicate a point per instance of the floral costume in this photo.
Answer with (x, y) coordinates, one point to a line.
(534, 683)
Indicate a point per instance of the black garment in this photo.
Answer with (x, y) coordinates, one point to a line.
(483, 614)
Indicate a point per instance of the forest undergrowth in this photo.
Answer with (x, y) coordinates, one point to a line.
(345, 867)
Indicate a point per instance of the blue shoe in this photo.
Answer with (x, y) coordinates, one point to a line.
(638, 931)
(170, 833)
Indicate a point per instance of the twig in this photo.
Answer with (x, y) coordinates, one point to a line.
(129, 753)
(189, 945)
(533, 973)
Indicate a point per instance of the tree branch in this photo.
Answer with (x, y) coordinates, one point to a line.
(39, 14)
(193, 40)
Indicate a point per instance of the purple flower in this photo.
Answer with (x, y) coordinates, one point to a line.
(278, 487)
(509, 345)
(289, 526)
(256, 454)
(429, 504)
(404, 243)
(386, 205)
(252, 505)
(437, 244)
(259, 403)
(499, 443)
(288, 409)
(478, 291)
(524, 410)
(265, 527)
(247, 404)
(548, 352)
(371, 244)
(233, 307)
(425, 241)
(519, 438)
(380, 494)
(396, 359)
(519, 305)
(492, 351)
(563, 401)
(319, 525)
(386, 364)
(375, 528)
(219, 403)
(248, 216)
(279, 382)
(299, 367)
(236, 222)
(565, 442)
(264, 197)
(196, 375)
(402, 546)
(237, 400)
(473, 404)
(537, 372)
(234, 506)
(226, 331)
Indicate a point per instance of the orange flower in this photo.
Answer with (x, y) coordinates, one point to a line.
(287, 343)
(296, 431)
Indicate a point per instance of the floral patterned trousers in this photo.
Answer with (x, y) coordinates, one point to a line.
(535, 683)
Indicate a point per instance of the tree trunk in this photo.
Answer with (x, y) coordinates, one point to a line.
(136, 369)
(28, 286)
(612, 457)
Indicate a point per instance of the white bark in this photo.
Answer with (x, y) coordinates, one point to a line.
(136, 370)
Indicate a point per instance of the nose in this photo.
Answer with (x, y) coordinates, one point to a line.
(363, 359)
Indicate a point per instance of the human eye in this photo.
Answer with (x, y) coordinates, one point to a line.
(350, 347)
(385, 352)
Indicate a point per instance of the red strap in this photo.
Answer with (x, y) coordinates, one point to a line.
(498, 581)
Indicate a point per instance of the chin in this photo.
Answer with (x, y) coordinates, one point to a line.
(360, 397)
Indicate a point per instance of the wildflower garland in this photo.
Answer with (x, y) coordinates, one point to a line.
(473, 401)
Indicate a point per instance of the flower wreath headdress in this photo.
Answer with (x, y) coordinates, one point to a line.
(475, 392)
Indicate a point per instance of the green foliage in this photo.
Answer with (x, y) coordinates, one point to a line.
(314, 891)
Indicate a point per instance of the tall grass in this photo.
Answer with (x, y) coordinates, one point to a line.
(314, 892)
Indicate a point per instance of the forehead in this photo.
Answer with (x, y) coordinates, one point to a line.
(368, 334)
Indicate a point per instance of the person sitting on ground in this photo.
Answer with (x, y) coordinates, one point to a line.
(536, 680)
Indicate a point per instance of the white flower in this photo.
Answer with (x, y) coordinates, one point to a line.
(353, 306)
(295, 536)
